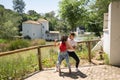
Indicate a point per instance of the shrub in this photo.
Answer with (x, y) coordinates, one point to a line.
(2, 41)
(3, 47)
(50, 59)
(37, 42)
(17, 66)
(106, 58)
(17, 44)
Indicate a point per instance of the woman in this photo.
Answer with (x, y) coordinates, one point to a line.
(63, 54)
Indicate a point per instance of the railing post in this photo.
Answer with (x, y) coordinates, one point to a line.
(89, 50)
(39, 58)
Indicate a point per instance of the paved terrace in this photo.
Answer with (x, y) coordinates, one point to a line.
(101, 72)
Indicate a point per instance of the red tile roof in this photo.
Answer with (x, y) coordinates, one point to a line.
(35, 22)
(31, 22)
(42, 20)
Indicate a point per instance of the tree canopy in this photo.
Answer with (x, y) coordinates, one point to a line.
(88, 13)
(19, 6)
(96, 14)
(33, 15)
(9, 21)
(72, 11)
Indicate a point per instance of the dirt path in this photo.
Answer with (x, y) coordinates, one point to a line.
(101, 72)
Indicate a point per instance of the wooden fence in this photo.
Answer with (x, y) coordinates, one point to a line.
(42, 46)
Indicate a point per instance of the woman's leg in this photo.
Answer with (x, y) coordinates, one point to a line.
(60, 58)
(67, 62)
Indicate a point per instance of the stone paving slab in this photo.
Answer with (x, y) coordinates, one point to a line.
(101, 72)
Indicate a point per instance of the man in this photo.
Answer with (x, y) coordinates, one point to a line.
(72, 52)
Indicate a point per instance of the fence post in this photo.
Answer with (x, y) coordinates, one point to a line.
(39, 58)
(89, 50)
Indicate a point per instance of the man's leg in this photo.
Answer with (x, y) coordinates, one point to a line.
(75, 57)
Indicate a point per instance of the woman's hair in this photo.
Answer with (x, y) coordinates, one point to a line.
(64, 38)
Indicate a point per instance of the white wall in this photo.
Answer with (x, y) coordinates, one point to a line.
(26, 29)
(46, 28)
(106, 42)
(36, 31)
(106, 35)
(113, 35)
(51, 36)
(32, 30)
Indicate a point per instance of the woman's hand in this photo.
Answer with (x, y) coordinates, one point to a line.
(56, 43)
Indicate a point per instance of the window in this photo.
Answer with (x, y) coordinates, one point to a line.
(33, 34)
(43, 27)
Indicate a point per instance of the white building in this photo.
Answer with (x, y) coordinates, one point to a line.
(52, 35)
(111, 42)
(106, 35)
(80, 30)
(35, 29)
(39, 30)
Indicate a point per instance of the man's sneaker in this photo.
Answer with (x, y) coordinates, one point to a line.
(76, 69)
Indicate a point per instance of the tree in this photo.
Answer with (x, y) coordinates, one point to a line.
(33, 15)
(1, 14)
(72, 11)
(19, 6)
(50, 16)
(8, 23)
(95, 16)
(62, 27)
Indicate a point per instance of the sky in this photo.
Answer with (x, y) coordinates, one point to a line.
(40, 6)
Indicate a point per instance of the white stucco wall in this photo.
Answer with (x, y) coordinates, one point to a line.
(26, 29)
(32, 30)
(52, 36)
(106, 34)
(106, 42)
(115, 34)
(35, 29)
(44, 28)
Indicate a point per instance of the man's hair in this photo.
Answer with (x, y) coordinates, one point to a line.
(64, 38)
(73, 34)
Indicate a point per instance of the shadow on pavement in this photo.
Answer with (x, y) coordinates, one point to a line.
(73, 75)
